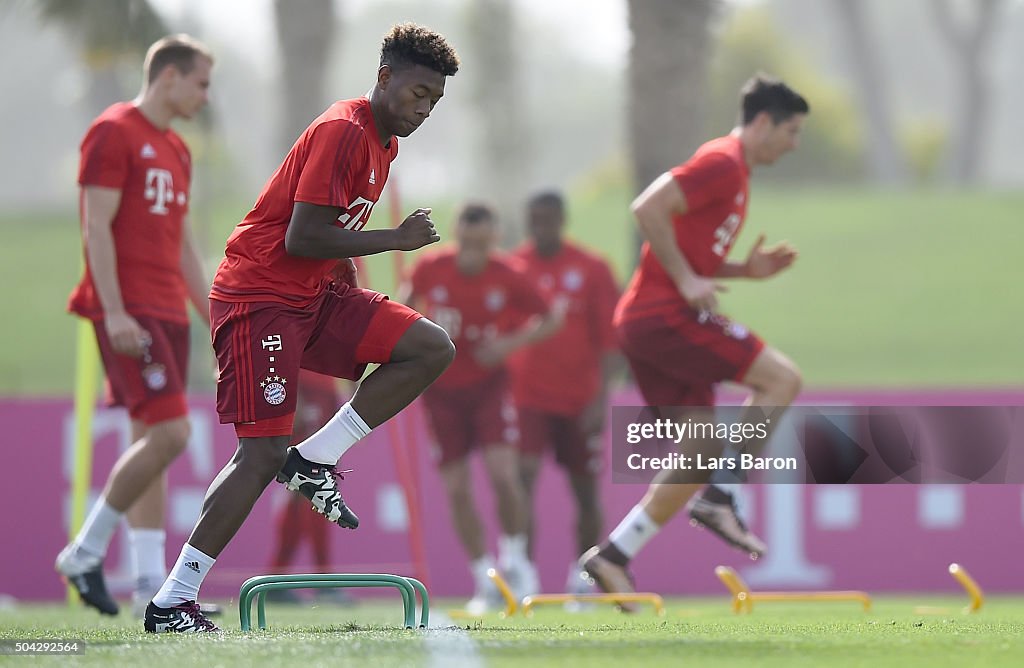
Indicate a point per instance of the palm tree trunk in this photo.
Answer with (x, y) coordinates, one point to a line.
(505, 150)
(305, 31)
(885, 160)
(668, 69)
(968, 44)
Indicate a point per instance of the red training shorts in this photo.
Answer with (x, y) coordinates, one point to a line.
(678, 357)
(464, 418)
(151, 387)
(574, 451)
(261, 346)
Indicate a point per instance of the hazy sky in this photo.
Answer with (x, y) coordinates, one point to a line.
(604, 39)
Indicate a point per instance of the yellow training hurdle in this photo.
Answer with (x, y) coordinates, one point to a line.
(743, 598)
(529, 602)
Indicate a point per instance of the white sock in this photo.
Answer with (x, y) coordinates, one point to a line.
(512, 551)
(94, 536)
(185, 579)
(332, 441)
(149, 563)
(633, 532)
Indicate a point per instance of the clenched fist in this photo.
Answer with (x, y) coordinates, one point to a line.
(416, 231)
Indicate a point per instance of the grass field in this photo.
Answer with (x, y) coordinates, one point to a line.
(693, 632)
(891, 288)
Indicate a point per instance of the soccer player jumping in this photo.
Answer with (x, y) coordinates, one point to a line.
(274, 311)
(677, 345)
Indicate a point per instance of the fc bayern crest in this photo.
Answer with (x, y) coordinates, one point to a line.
(155, 376)
(273, 390)
(274, 393)
(736, 331)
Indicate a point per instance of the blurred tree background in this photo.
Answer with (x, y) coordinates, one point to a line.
(913, 140)
(112, 37)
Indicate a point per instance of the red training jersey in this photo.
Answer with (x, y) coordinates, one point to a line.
(473, 309)
(339, 162)
(562, 373)
(715, 182)
(153, 169)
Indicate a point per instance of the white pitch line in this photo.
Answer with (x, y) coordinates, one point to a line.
(450, 646)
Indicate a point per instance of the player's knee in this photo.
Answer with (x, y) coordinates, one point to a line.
(170, 437)
(506, 482)
(789, 381)
(436, 348)
(529, 469)
(263, 457)
(426, 344)
(528, 480)
(460, 495)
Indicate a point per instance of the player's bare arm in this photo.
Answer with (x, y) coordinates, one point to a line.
(654, 209)
(494, 351)
(312, 233)
(761, 262)
(592, 418)
(196, 281)
(99, 208)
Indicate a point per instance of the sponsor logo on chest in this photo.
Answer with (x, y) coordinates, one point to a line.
(494, 299)
(439, 294)
(572, 280)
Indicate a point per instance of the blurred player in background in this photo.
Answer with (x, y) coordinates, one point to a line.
(275, 310)
(490, 308)
(676, 342)
(560, 384)
(142, 267)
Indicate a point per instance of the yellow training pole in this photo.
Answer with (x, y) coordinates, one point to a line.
(967, 582)
(87, 369)
(736, 586)
(506, 592)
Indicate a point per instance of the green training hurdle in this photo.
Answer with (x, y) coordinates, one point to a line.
(257, 587)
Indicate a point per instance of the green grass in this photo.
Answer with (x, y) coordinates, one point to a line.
(891, 288)
(693, 632)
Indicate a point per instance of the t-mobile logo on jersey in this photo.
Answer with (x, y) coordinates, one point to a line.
(355, 215)
(724, 234)
(159, 189)
(272, 342)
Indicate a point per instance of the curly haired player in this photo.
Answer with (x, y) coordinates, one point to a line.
(274, 311)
